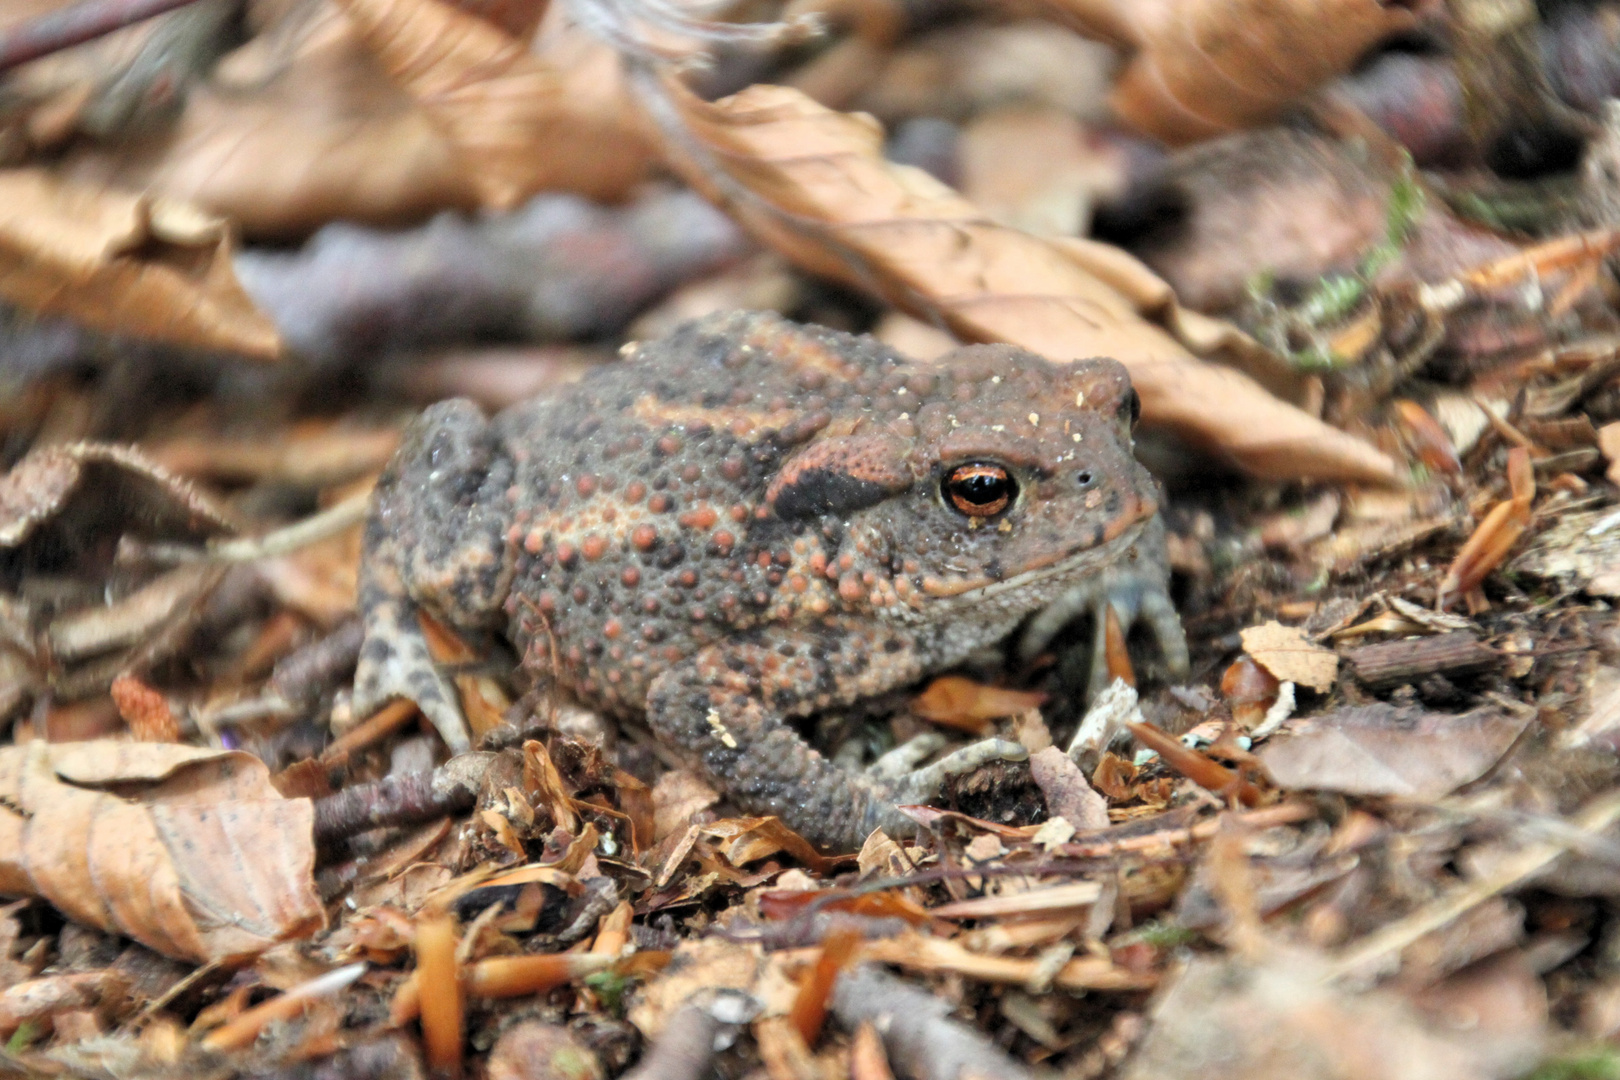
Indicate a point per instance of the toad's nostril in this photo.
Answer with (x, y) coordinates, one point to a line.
(1085, 478)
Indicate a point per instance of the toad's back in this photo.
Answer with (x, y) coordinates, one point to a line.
(642, 531)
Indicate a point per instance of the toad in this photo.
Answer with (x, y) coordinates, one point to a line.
(752, 522)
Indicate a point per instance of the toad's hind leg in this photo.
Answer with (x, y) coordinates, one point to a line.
(435, 541)
(727, 707)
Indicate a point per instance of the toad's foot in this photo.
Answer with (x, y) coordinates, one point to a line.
(395, 662)
(435, 541)
(904, 784)
(1137, 588)
(726, 708)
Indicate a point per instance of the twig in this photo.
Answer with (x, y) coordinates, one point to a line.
(918, 1032)
(327, 523)
(685, 1049)
(76, 25)
(393, 800)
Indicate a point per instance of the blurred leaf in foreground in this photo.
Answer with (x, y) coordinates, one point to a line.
(125, 264)
(198, 857)
(1198, 68)
(813, 184)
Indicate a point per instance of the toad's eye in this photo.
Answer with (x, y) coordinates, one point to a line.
(979, 489)
(1131, 407)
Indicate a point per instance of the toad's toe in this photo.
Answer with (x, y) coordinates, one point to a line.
(395, 662)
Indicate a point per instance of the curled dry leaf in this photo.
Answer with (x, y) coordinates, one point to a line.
(59, 490)
(1202, 67)
(959, 702)
(504, 109)
(1288, 654)
(813, 184)
(197, 857)
(1494, 538)
(125, 264)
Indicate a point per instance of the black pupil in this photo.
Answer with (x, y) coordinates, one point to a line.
(981, 489)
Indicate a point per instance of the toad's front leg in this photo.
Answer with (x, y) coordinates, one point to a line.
(1137, 588)
(436, 540)
(727, 709)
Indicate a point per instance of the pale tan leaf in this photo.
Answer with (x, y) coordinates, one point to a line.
(197, 856)
(1202, 67)
(124, 264)
(506, 110)
(1288, 654)
(1067, 793)
(678, 797)
(1384, 750)
(813, 184)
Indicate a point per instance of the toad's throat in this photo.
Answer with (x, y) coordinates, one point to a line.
(1120, 534)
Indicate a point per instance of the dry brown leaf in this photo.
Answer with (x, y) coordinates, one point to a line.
(294, 144)
(197, 857)
(1384, 750)
(745, 840)
(813, 184)
(1288, 654)
(89, 480)
(959, 702)
(504, 109)
(1609, 443)
(286, 138)
(1201, 67)
(703, 964)
(125, 264)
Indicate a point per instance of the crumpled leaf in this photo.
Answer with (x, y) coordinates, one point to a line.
(1288, 654)
(1201, 67)
(125, 264)
(90, 483)
(813, 184)
(62, 509)
(197, 856)
(1385, 750)
(504, 109)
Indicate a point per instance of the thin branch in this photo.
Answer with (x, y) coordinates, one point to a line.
(75, 25)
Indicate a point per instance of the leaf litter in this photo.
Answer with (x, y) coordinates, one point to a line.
(1371, 833)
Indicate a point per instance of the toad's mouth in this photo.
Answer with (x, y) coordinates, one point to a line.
(1120, 534)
